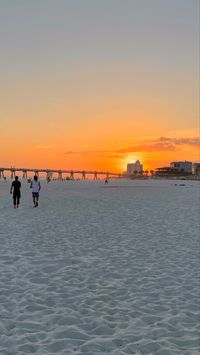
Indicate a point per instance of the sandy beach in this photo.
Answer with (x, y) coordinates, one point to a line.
(101, 269)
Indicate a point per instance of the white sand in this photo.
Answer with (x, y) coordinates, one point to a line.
(100, 269)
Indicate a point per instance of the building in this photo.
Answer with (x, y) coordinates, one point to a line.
(164, 171)
(181, 167)
(196, 169)
(176, 168)
(133, 168)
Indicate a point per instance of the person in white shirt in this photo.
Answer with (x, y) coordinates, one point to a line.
(36, 187)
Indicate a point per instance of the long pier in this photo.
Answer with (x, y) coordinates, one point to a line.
(60, 173)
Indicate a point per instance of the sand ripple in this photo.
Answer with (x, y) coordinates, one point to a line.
(101, 271)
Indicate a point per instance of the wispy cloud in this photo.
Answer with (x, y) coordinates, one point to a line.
(44, 146)
(143, 145)
(96, 153)
(84, 152)
(150, 147)
(161, 144)
(182, 141)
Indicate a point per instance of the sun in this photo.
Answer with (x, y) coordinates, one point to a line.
(130, 158)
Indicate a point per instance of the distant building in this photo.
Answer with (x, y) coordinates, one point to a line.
(176, 168)
(181, 167)
(164, 171)
(132, 168)
(196, 168)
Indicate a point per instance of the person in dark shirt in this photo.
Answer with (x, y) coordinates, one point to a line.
(15, 189)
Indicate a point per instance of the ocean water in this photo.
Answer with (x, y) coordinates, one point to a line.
(101, 269)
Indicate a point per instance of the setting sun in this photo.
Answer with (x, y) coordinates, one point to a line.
(131, 158)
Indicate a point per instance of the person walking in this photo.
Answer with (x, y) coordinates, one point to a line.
(36, 187)
(15, 189)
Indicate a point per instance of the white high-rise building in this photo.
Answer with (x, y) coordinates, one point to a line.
(134, 167)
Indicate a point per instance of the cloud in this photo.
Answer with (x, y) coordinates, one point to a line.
(69, 152)
(112, 154)
(147, 145)
(44, 146)
(150, 147)
(161, 144)
(182, 141)
(84, 152)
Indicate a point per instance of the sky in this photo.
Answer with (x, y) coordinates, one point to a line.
(97, 84)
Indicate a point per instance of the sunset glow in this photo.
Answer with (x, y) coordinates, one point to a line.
(99, 84)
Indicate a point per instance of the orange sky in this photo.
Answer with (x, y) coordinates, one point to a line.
(99, 86)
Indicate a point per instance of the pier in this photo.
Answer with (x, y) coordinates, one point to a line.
(60, 173)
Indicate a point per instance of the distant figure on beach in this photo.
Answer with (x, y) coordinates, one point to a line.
(36, 187)
(15, 189)
(106, 181)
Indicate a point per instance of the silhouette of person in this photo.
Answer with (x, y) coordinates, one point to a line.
(36, 187)
(15, 188)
